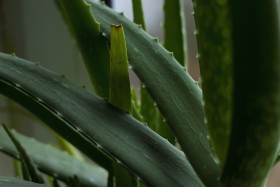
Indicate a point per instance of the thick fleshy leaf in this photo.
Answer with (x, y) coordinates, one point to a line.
(14, 182)
(255, 135)
(119, 93)
(75, 113)
(215, 58)
(177, 95)
(53, 161)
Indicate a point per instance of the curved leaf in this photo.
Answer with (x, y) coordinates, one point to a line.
(69, 109)
(255, 133)
(177, 95)
(53, 161)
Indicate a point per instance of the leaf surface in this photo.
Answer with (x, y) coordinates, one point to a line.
(75, 113)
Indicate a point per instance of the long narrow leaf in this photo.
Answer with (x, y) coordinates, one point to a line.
(32, 170)
(69, 109)
(138, 15)
(119, 91)
(255, 133)
(175, 38)
(215, 58)
(177, 95)
(53, 161)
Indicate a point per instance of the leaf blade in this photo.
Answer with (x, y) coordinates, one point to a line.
(175, 39)
(69, 102)
(215, 57)
(119, 91)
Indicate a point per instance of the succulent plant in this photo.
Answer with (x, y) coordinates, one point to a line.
(175, 134)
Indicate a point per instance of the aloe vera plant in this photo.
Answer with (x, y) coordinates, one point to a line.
(176, 134)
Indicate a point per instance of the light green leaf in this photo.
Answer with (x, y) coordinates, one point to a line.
(119, 91)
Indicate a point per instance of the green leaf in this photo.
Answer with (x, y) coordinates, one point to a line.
(255, 133)
(177, 95)
(92, 45)
(14, 182)
(53, 161)
(72, 111)
(119, 91)
(175, 38)
(215, 59)
(138, 16)
(29, 167)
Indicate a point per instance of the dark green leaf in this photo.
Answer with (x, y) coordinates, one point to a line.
(255, 135)
(74, 112)
(175, 38)
(215, 59)
(138, 16)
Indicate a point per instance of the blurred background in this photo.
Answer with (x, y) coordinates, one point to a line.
(34, 30)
